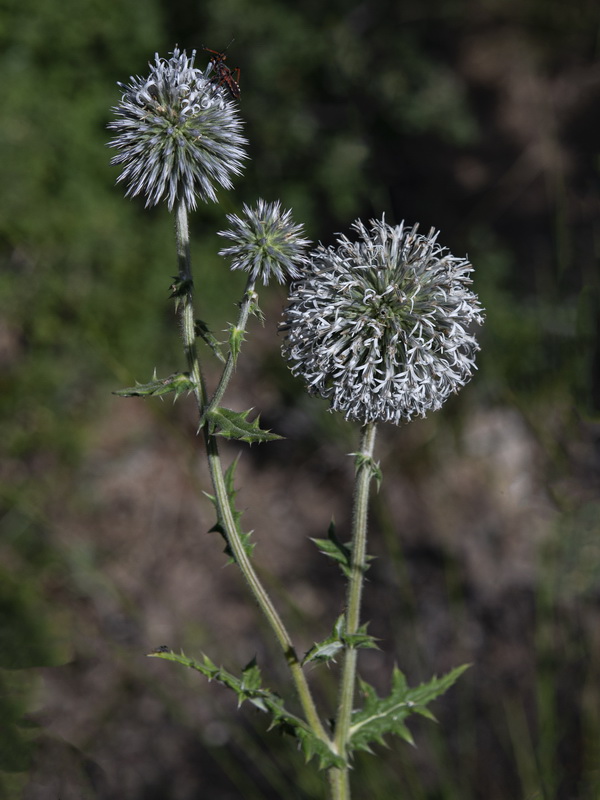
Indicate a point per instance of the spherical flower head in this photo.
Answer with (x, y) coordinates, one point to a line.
(381, 326)
(267, 243)
(178, 133)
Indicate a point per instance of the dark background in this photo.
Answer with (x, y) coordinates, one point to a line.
(479, 118)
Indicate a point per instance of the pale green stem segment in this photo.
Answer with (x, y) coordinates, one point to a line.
(216, 472)
(249, 298)
(339, 778)
(188, 322)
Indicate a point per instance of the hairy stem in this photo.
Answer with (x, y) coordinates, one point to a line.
(185, 302)
(364, 473)
(186, 306)
(240, 328)
(257, 589)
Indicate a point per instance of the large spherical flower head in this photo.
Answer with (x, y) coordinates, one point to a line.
(381, 326)
(178, 134)
(267, 243)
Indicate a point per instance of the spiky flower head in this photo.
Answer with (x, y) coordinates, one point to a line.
(381, 326)
(178, 133)
(267, 243)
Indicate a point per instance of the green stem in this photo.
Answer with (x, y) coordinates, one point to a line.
(188, 322)
(239, 330)
(259, 592)
(218, 481)
(339, 777)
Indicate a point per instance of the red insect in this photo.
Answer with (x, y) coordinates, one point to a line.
(224, 76)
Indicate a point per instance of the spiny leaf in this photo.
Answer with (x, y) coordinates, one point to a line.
(236, 337)
(381, 716)
(249, 688)
(333, 548)
(235, 425)
(311, 746)
(202, 331)
(324, 651)
(251, 677)
(180, 288)
(367, 462)
(339, 640)
(178, 383)
(342, 553)
(361, 639)
(255, 309)
(219, 526)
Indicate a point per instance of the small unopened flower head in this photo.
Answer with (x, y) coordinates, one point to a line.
(178, 133)
(267, 243)
(381, 326)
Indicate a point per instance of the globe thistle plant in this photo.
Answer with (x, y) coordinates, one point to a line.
(178, 134)
(382, 326)
(267, 243)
